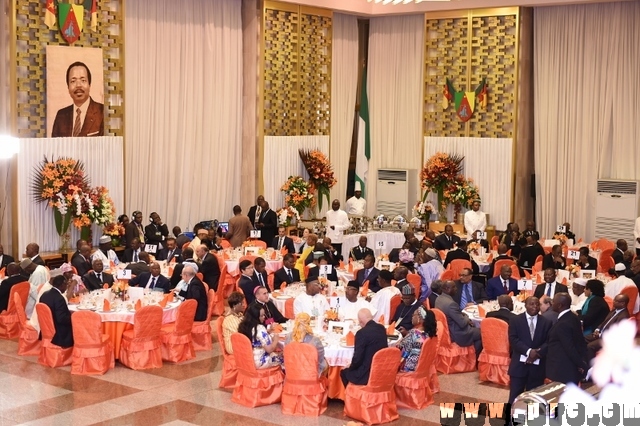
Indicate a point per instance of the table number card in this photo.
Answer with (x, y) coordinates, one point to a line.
(573, 254)
(123, 274)
(482, 235)
(325, 269)
(254, 233)
(151, 248)
(381, 245)
(561, 229)
(525, 284)
(252, 251)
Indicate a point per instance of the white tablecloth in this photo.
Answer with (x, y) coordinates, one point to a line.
(168, 314)
(340, 356)
(391, 240)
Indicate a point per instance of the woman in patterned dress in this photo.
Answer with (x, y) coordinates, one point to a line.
(263, 344)
(424, 327)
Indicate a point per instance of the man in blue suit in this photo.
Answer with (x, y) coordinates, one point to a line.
(502, 284)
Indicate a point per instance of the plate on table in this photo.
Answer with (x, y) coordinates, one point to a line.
(86, 308)
(283, 297)
(106, 312)
(344, 345)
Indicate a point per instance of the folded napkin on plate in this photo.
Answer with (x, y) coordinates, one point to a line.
(112, 265)
(274, 255)
(364, 290)
(171, 270)
(334, 294)
(481, 312)
(284, 251)
(138, 305)
(391, 329)
(277, 328)
(166, 299)
(490, 258)
(341, 265)
(225, 255)
(74, 300)
(351, 339)
(283, 285)
(381, 319)
(564, 280)
(106, 306)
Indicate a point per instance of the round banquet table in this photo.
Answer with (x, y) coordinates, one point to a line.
(234, 270)
(391, 240)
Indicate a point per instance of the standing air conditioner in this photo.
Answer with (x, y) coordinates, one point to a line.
(396, 191)
(616, 209)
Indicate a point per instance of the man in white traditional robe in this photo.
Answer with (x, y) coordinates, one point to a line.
(356, 205)
(105, 253)
(352, 304)
(577, 294)
(311, 302)
(381, 301)
(337, 223)
(38, 275)
(474, 219)
(615, 286)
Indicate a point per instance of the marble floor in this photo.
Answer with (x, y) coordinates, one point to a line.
(174, 395)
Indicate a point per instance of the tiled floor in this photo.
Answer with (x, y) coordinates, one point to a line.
(174, 395)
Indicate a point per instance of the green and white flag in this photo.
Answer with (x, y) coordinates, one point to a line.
(363, 151)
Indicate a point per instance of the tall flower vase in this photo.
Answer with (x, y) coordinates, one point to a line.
(442, 207)
(62, 222)
(65, 246)
(86, 234)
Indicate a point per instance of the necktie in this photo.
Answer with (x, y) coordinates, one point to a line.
(169, 256)
(153, 283)
(532, 328)
(506, 286)
(366, 274)
(135, 256)
(99, 275)
(549, 290)
(77, 125)
(260, 279)
(464, 297)
(290, 275)
(607, 323)
(280, 243)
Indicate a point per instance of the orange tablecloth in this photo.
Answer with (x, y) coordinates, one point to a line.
(336, 388)
(115, 329)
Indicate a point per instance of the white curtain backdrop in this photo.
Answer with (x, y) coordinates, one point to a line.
(183, 108)
(488, 161)
(282, 160)
(344, 84)
(587, 88)
(394, 84)
(102, 158)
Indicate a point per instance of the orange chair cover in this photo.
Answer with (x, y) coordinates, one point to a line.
(451, 357)
(225, 243)
(141, 347)
(490, 258)
(632, 293)
(447, 275)
(2, 273)
(177, 344)
(115, 330)
(258, 243)
(229, 369)
(376, 402)
(493, 362)
(304, 393)
(283, 251)
(92, 350)
(201, 330)
(495, 242)
(413, 389)
(51, 355)
(200, 276)
(458, 265)
(254, 387)
(225, 255)
(248, 257)
(537, 267)
(364, 290)
(605, 262)
(9, 322)
(28, 342)
(416, 282)
(226, 285)
(609, 301)
(393, 305)
(336, 387)
(499, 264)
(288, 308)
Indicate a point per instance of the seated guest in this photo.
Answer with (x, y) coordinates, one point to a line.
(272, 314)
(201, 234)
(246, 282)
(350, 307)
(312, 301)
(282, 241)
(264, 346)
(483, 243)
(60, 313)
(505, 313)
(446, 240)
(618, 253)
(429, 268)
(181, 237)
(361, 250)
(468, 292)
(634, 272)
(409, 240)
(514, 244)
(142, 265)
(132, 254)
(550, 286)
(400, 275)
(546, 310)
(594, 309)
(5, 259)
(406, 258)
(369, 339)
(33, 252)
(436, 290)
(97, 278)
(260, 276)
(79, 244)
(369, 273)
(619, 281)
(177, 270)
(37, 276)
(567, 231)
(460, 252)
(530, 252)
(504, 236)
(239, 228)
(171, 253)
(316, 271)
(312, 240)
(424, 327)
(554, 259)
(209, 267)
(152, 280)
(192, 288)
(287, 274)
(302, 333)
(402, 316)
(618, 313)
(13, 278)
(381, 301)
(303, 240)
(502, 255)
(75, 284)
(577, 293)
(123, 220)
(82, 262)
(461, 328)
(104, 252)
(587, 262)
(502, 284)
(333, 257)
(530, 230)
(394, 255)
(232, 319)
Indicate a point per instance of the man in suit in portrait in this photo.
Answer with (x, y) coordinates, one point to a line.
(288, 273)
(281, 240)
(256, 211)
(152, 279)
(268, 223)
(97, 278)
(5, 259)
(446, 240)
(56, 302)
(502, 284)
(361, 250)
(618, 313)
(505, 313)
(461, 328)
(191, 287)
(369, 273)
(85, 117)
(209, 267)
(528, 334)
(550, 287)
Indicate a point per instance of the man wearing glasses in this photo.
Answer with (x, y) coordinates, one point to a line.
(469, 292)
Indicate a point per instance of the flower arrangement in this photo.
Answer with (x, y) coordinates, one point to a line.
(286, 215)
(331, 315)
(120, 288)
(115, 231)
(474, 248)
(320, 172)
(573, 269)
(438, 173)
(102, 210)
(461, 192)
(298, 194)
(405, 256)
(383, 258)
(560, 237)
(422, 210)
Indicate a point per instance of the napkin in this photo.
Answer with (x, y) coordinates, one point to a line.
(381, 319)
(173, 259)
(341, 265)
(538, 279)
(481, 312)
(112, 265)
(138, 305)
(283, 251)
(510, 294)
(225, 255)
(106, 306)
(527, 275)
(165, 300)
(579, 241)
(171, 269)
(334, 294)
(564, 281)
(391, 329)
(74, 300)
(365, 289)
(277, 328)
(350, 268)
(274, 255)
(283, 285)
(351, 339)
(490, 258)
(105, 285)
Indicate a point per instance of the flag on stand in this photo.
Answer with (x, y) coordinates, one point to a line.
(50, 13)
(363, 149)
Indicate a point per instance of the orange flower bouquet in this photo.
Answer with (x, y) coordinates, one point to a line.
(320, 172)
(298, 194)
(440, 171)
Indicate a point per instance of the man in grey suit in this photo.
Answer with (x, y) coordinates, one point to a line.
(461, 328)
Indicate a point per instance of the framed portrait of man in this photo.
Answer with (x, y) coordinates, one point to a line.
(75, 92)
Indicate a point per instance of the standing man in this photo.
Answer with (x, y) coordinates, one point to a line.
(281, 240)
(268, 224)
(134, 228)
(356, 205)
(239, 228)
(85, 117)
(156, 231)
(337, 223)
(256, 211)
(474, 219)
(371, 338)
(208, 267)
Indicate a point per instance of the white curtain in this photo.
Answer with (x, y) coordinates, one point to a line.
(395, 87)
(344, 84)
(586, 93)
(488, 161)
(102, 158)
(282, 160)
(183, 108)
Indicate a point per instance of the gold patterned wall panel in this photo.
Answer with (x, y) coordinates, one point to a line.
(32, 37)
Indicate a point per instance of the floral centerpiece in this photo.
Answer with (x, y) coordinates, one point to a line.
(115, 231)
(461, 192)
(438, 172)
(298, 194)
(562, 238)
(119, 289)
(320, 172)
(331, 315)
(422, 210)
(474, 248)
(286, 215)
(573, 269)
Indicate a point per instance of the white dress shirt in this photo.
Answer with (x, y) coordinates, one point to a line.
(39, 276)
(356, 206)
(381, 302)
(314, 306)
(614, 287)
(577, 301)
(349, 310)
(340, 221)
(474, 221)
(105, 259)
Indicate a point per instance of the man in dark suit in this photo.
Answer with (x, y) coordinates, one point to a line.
(618, 313)
(152, 280)
(550, 287)
(369, 273)
(567, 356)
(400, 275)
(460, 253)
(85, 117)
(246, 282)
(502, 255)
(361, 250)
(618, 253)
(587, 262)
(546, 311)
(134, 229)
(502, 284)
(13, 278)
(177, 270)
(554, 259)
(371, 338)
(132, 253)
(268, 224)
(59, 311)
(330, 253)
(181, 238)
(468, 291)
(79, 244)
(33, 251)
(271, 313)
(256, 211)
(5, 259)
(461, 328)
(288, 273)
(260, 276)
(97, 278)
(436, 290)
(505, 313)
(170, 253)
(281, 240)
(528, 334)
(141, 265)
(156, 232)
(530, 252)
(209, 267)
(447, 240)
(192, 288)
(82, 262)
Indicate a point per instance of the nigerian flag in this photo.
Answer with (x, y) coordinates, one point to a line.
(363, 151)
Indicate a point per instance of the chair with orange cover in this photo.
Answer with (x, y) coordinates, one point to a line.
(416, 282)
(141, 348)
(495, 242)
(458, 265)
(51, 355)
(229, 369)
(375, 402)
(288, 309)
(500, 263)
(451, 357)
(224, 243)
(92, 350)
(201, 330)
(304, 393)
(177, 344)
(632, 294)
(254, 387)
(447, 275)
(603, 244)
(226, 285)
(9, 322)
(28, 342)
(393, 305)
(605, 263)
(413, 389)
(493, 362)
(257, 243)
(537, 267)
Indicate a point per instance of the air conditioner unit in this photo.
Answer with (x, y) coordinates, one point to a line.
(617, 209)
(396, 191)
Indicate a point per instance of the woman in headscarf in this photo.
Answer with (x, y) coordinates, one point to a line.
(424, 327)
(302, 333)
